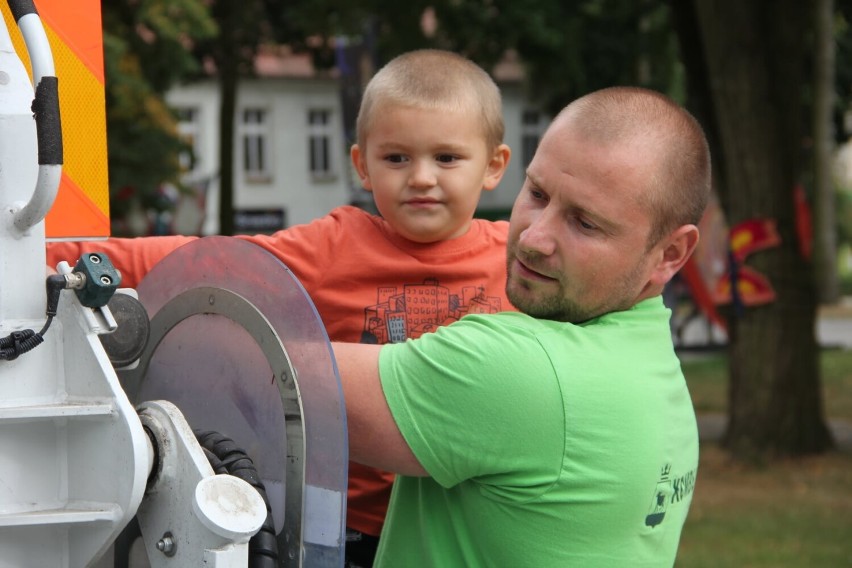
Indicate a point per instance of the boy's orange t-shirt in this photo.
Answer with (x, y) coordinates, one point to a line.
(368, 284)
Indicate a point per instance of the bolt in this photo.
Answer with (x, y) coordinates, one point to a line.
(106, 280)
(166, 545)
(94, 259)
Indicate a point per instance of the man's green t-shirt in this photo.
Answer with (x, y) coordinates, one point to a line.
(547, 443)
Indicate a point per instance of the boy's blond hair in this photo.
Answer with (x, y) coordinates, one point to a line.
(434, 79)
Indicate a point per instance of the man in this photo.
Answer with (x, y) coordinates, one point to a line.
(563, 435)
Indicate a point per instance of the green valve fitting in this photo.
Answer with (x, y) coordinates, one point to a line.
(100, 282)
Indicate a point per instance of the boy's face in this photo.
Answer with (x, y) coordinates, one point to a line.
(426, 169)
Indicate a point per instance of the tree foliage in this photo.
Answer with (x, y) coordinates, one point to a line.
(146, 50)
(568, 48)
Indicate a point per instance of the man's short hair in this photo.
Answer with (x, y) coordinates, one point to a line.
(682, 184)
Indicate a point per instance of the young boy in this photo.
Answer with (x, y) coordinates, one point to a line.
(430, 132)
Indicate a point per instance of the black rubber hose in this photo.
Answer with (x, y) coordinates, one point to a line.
(225, 457)
(17, 343)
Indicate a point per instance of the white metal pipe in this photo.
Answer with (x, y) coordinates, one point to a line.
(38, 48)
(49, 175)
(47, 186)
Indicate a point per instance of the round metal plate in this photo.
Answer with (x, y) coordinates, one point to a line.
(238, 346)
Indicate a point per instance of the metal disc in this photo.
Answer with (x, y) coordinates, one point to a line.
(237, 344)
(125, 345)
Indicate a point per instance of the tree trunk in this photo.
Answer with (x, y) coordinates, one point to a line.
(755, 55)
(228, 65)
(825, 223)
(228, 86)
(698, 93)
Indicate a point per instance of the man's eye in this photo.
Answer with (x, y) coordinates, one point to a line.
(536, 194)
(586, 225)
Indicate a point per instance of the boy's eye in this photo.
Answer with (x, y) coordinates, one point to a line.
(395, 158)
(445, 158)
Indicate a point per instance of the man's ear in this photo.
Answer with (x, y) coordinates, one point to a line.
(360, 166)
(674, 251)
(496, 167)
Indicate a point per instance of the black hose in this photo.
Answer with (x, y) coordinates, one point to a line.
(18, 342)
(225, 457)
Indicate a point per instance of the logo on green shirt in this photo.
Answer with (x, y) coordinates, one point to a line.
(668, 490)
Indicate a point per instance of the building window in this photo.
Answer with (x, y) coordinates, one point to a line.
(533, 125)
(321, 163)
(255, 140)
(189, 130)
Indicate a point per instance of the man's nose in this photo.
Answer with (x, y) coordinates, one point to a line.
(539, 237)
(422, 174)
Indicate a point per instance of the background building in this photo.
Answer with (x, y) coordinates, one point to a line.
(292, 152)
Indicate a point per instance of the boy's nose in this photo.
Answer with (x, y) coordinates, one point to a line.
(422, 175)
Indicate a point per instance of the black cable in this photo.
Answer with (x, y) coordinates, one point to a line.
(225, 457)
(19, 342)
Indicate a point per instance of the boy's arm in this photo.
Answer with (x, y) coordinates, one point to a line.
(374, 438)
(132, 257)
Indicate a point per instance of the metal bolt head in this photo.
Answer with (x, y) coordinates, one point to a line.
(167, 545)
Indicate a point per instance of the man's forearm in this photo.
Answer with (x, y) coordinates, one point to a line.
(374, 438)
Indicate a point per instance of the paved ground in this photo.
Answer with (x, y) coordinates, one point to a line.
(834, 329)
(712, 426)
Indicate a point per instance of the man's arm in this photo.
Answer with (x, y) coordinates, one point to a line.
(374, 438)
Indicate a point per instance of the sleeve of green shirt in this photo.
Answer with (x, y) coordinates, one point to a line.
(477, 399)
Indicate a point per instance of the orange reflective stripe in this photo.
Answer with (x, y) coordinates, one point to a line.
(78, 23)
(79, 215)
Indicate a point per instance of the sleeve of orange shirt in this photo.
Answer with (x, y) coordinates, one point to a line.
(303, 248)
(132, 257)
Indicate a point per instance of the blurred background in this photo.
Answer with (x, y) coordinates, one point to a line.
(236, 117)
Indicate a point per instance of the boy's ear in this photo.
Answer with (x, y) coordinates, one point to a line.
(675, 251)
(358, 163)
(496, 167)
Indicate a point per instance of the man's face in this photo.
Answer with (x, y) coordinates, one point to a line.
(578, 235)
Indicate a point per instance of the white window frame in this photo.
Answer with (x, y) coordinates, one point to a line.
(254, 144)
(320, 144)
(190, 131)
(533, 125)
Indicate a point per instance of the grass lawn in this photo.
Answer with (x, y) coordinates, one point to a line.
(787, 514)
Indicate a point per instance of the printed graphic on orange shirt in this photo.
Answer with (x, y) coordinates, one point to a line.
(400, 314)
